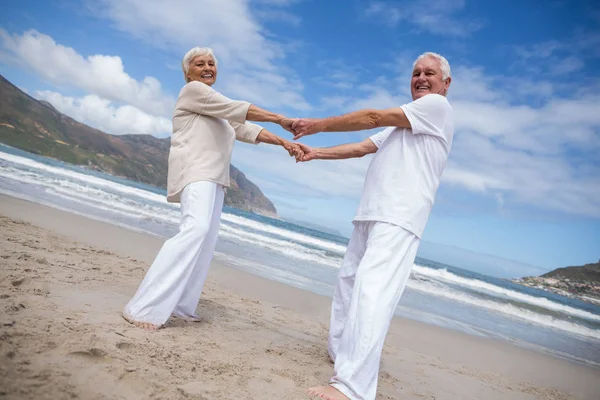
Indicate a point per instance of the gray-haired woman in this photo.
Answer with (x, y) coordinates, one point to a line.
(205, 126)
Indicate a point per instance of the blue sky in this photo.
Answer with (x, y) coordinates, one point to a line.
(521, 192)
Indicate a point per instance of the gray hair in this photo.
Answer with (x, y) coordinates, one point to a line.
(444, 65)
(193, 53)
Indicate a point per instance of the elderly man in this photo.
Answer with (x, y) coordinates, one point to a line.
(398, 194)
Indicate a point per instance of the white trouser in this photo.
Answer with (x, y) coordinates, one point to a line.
(372, 278)
(174, 282)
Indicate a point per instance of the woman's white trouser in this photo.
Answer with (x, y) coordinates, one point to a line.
(174, 282)
(372, 278)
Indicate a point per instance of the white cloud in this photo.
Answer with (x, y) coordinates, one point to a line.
(556, 58)
(567, 65)
(276, 2)
(102, 75)
(250, 59)
(339, 74)
(550, 182)
(391, 15)
(105, 116)
(434, 16)
(539, 156)
(282, 16)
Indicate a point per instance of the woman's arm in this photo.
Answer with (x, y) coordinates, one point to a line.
(269, 137)
(252, 133)
(258, 114)
(202, 99)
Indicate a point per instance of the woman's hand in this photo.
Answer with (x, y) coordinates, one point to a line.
(286, 123)
(294, 150)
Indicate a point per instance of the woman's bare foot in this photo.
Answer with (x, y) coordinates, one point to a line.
(190, 318)
(144, 325)
(327, 393)
(187, 317)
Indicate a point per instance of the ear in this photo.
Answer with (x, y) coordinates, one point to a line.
(448, 81)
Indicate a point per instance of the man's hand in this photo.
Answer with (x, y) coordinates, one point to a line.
(307, 153)
(304, 127)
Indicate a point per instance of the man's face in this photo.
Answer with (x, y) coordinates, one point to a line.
(427, 78)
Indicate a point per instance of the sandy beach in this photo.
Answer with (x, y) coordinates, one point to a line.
(65, 278)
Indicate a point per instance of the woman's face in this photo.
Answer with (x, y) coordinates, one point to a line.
(203, 69)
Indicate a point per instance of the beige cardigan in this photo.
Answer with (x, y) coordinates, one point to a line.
(205, 126)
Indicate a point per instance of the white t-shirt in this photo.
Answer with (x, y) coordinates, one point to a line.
(405, 172)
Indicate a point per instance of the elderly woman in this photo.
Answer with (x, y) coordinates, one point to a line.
(205, 126)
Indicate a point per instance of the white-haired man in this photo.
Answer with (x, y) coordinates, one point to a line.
(398, 194)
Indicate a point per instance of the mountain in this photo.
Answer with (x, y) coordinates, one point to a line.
(584, 273)
(37, 127)
(582, 282)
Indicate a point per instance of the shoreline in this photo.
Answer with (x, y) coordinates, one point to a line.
(537, 282)
(278, 331)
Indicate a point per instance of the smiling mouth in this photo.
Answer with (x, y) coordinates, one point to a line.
(207, 76)
(422, 88)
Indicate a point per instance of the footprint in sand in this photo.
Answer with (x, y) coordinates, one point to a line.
(12, 309)
(93, 354)
(18, 282)
(124, 346)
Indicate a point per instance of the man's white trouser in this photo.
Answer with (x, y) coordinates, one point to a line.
(174, 282)
(372, 277)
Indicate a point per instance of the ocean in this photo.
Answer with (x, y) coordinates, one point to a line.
(437, 294)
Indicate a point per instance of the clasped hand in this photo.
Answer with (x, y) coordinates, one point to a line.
(300, 127)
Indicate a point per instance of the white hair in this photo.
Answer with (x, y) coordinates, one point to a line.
(444, 65)
(193, 53)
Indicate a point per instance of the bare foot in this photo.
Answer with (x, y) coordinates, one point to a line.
(190, 318)
(327, 393)
(139, 324)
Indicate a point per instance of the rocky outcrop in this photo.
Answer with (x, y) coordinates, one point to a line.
(582, 282)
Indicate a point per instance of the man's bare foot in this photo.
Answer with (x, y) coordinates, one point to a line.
(327, 393)
(139, 324)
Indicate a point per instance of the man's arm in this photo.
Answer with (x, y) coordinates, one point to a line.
(340, 152)
(354, 121)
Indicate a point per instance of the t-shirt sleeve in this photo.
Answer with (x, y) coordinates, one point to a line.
(380, 137)
(428, 115)
(247, 132)
(199, 98)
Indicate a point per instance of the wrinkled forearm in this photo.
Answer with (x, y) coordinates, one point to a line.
(343, 151)
(260, 115)
(269, 137)
(354, 121)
